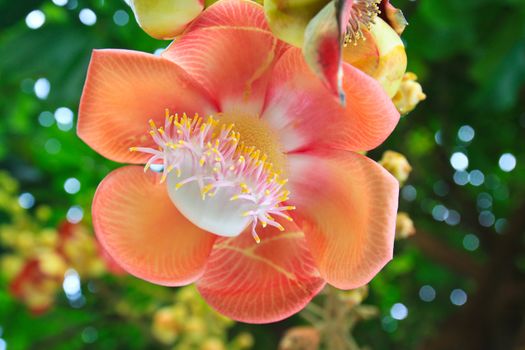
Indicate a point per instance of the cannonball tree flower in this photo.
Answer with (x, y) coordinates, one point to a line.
(262, 196)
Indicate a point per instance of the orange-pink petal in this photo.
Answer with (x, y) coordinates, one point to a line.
(141, 229)
(346, 206)
(233, 62)
(261, 283)
(231, 13)
(308, 116)
(123, 90)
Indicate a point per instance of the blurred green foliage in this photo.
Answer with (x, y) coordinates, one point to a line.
(470, 58)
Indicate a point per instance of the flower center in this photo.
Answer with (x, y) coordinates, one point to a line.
(218, 181)
(363, 13)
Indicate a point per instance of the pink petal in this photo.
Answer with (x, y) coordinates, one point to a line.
(123, 90)
(309, 116)
(231, 13)
(261, 283)
(346, 205)
(138, 225)
(322, 48)
(232, 61)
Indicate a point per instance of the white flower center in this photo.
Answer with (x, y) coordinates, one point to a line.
(214, 180)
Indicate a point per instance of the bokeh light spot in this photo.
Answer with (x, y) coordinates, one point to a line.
(476, 178)
(486, 218)
(507, 162)
(440, 212)
(42, 88)
(453, 218)
(72, 185)
(461, 178)
(500, 225)
(46, 119)
(399, 311)
(89, 335)
(389, 324)
(75, 214)
(64, 118)
(120, 17)
(53, 146)
(26, 200)
(409, 193)
(459, 161)
(458, 297)
(427, 293)
(35, 19)
(471, 242)
(87, 17)
(466, 133)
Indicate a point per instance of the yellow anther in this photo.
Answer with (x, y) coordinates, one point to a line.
(234, 198)
(179, 172)
(152, 124)
(201, 161)
(133, 149)
(256, 237)
(264, 224)
(280, 227)
(287, 217)
(246, 213)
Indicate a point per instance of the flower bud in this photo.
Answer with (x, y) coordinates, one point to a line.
(244, 341)
(288, 19)
(52, 264)
(11, 265)
(397, 165)
(165, 19)
(404, 226)
(409, 95)
(165, 327)
(213, 344)
(301, 338)
(380, 54)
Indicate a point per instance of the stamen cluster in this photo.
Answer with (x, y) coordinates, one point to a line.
(219, 161)
(363, 13)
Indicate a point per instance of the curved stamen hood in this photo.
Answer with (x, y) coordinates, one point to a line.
(213, 178)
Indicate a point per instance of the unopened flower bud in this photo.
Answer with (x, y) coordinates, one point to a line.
(397, 165)
(52, 264)
(244, 341)
(213, 344)
(165, 19)
(404, 226)
(409, 95)
(165, 327)
(380, 54)
(301, 338)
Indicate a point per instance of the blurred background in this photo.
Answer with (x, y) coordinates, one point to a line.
(457, 283)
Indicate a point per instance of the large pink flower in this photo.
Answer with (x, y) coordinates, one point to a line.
(220, 192)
